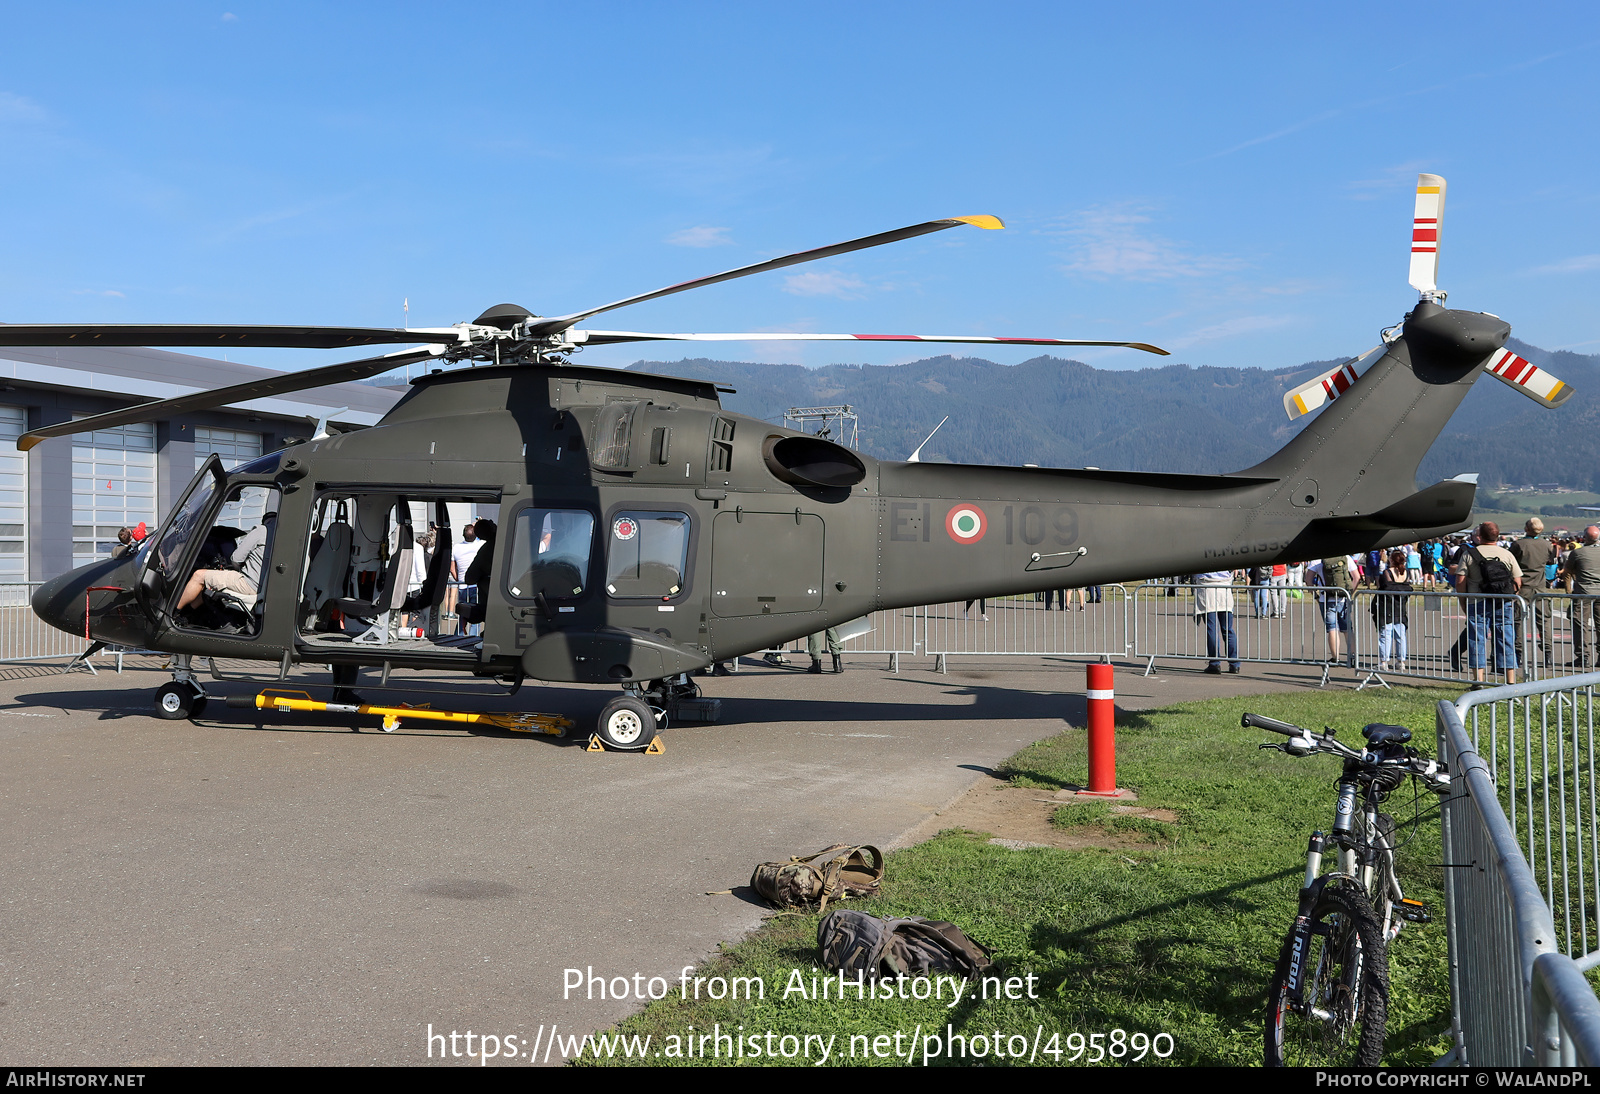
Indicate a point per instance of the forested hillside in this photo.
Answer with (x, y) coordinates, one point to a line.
(1063, 413)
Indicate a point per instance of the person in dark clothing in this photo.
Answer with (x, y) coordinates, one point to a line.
(479, 571)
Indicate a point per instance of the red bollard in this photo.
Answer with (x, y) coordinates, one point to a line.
(1102, 734)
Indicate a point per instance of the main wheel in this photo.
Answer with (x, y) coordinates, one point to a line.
(175, 701)
(626, 723)
(1343, 1005)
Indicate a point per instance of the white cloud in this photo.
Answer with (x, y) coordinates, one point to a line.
(828, 283)
(1231, 328)
(1113, 242)
(20, 108)
(229, 17)
(1389, 181)
(99, 292)
(700, 237)
(1576, 264)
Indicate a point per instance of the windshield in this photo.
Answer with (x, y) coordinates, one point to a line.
(183, 525)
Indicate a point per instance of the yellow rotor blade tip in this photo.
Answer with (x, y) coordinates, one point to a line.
(982, 221)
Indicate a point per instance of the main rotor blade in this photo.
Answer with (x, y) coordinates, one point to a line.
(612, 337)
(559, 323)
(184, 334)
(1534, 382)
(1425, 227)
(222, 396)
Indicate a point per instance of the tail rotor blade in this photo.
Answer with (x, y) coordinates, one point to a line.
(1534, 382)
(1324, 389)
(1425, 233)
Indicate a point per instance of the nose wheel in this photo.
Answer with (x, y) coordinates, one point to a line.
(179, 700)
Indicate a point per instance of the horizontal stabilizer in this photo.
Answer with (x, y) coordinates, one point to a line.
(1444, 504)
(1534, 382)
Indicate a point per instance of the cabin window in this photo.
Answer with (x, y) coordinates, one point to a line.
(646, 553)
(550, 552)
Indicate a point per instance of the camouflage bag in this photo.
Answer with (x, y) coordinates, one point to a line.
(833, 873)
(854, 942)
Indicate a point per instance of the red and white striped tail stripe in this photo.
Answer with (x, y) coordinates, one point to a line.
(1425, 233)
(1528, 378)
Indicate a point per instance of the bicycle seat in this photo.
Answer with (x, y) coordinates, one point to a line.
(1379, 735)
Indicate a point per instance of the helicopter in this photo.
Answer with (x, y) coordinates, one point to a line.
(645, 532)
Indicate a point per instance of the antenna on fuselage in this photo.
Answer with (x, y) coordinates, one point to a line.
(322, 423)
(916, 456)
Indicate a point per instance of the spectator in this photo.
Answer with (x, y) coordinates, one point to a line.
(1335, 576)
(1389, 612)
(1488, 618)
(461, 557)
(1213, 599)
(1534, 554)
(1582, 576)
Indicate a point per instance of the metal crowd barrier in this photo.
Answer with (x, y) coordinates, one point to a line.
(1031, 624)
(1552, 634)
(1522, 866)
(1270, 623)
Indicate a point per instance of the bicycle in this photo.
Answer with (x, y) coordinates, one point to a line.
(1328, 1004)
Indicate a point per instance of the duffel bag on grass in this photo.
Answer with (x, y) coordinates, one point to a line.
(855, 942)
(835, 873)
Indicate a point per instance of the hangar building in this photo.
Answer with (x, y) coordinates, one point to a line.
(62, 503)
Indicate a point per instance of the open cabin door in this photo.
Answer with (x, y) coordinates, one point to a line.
(169, 553)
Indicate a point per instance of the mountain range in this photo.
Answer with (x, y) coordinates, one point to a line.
(1062, 413)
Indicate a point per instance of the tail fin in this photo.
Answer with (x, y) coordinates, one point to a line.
(1360, 455)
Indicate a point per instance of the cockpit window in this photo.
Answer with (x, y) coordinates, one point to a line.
(183, 526)
(550, 552)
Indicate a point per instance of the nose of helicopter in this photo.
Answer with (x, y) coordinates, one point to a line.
(64, 603)
(59, 601)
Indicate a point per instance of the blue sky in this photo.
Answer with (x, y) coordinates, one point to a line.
(1230, 181)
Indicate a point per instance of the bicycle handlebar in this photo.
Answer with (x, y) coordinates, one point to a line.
(1435, 775)
(1259, 721)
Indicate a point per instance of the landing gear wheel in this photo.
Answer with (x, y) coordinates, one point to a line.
(626, 723)
(176, 701)
(1340, 1018)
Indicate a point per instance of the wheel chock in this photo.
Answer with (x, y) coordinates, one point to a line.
(656, 747)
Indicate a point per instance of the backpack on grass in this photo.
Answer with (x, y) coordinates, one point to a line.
(855, 942)
(833, 873)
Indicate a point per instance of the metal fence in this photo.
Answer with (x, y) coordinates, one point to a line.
(1268, 623)
(1430, 635)
(1522, 858)
(1079, 623)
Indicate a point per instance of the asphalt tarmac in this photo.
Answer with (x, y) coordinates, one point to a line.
(253, 888)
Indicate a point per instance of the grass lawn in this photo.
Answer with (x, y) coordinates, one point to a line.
(1164, 929)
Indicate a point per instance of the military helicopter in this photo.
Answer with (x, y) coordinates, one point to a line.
(645, 532)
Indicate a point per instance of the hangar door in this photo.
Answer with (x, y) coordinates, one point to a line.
(766, 563)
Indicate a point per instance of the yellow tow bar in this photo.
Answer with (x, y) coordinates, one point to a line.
(553, 725)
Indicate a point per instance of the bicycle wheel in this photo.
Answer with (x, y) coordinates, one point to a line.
(1339, 1018)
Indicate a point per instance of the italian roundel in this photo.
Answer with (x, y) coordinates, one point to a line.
(624, 528)
(966, 524)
